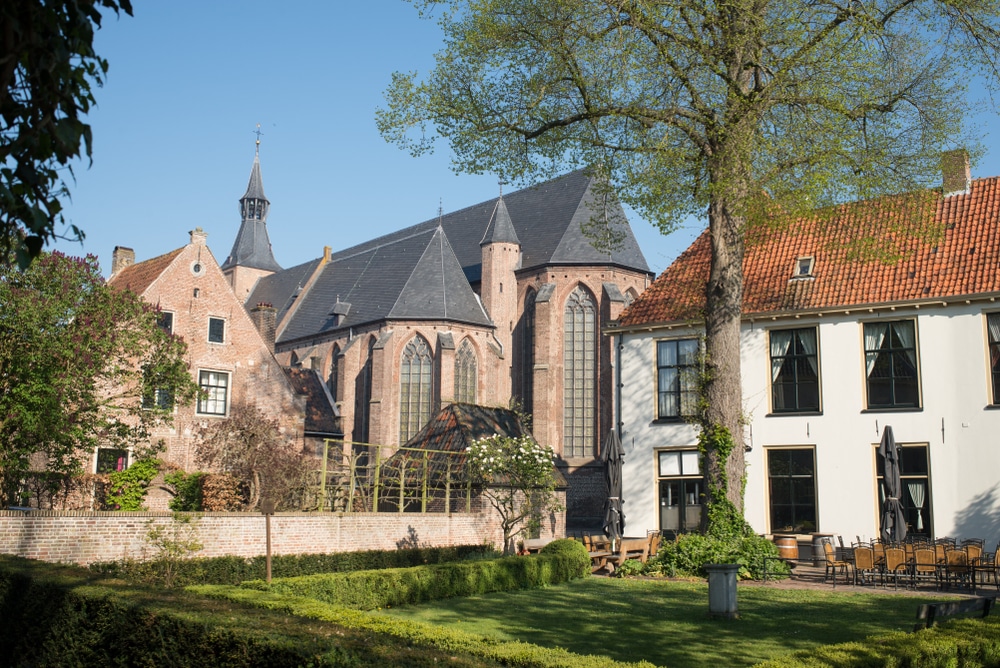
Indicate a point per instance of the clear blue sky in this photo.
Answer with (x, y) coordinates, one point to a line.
(187, 85)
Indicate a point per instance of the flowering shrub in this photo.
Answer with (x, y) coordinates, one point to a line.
(517, 479)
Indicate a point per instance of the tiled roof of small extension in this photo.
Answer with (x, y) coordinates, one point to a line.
(138, 277)
(956, 254)
(321, 416)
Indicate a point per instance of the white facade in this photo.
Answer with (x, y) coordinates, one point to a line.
(954, 430)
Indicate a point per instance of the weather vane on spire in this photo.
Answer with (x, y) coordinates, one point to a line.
(258, 133)
(501, 183)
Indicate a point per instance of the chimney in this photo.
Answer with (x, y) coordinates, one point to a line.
(121, 257)
(956, 173)
(265, 318)
(198, 236)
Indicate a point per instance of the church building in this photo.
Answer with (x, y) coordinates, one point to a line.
(498, 304)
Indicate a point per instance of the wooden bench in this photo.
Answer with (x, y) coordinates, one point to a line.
(631, 548)
(599, 548)
(534, 545)
(930, 613)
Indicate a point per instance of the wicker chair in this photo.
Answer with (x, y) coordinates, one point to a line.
(833, 564)
(864, 565)
(925, 566)
(895, 565)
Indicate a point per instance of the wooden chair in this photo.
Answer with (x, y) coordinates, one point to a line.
(925, 566)
(864, 564)
(654, 539)
(956, 566)
(895, 565)
(833, 564)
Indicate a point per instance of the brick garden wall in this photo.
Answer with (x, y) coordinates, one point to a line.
(85, 537)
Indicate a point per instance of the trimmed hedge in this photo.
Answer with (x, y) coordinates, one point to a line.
(371, 590)
(964, 643)
(234, 570)
(445, 638)
(58, 615)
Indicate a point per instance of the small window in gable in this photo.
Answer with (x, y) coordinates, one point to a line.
(804, 266)
(216, 330)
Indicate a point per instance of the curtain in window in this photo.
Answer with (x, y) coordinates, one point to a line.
(917, 494)
(906, 333)
(993, 325)
(807, 337)
(781, 341)
(874, 336)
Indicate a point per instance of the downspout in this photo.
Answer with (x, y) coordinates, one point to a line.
(618, 387)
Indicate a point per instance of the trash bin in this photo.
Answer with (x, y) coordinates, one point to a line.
(819, 552)
(722, 590)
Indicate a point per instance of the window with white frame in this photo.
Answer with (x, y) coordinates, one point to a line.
(794, 370)
(791, 476)
(216, 330)
(214, 395)
(680, 480)
(676, 378)
(891, 364)
(993, 332)
(915, 474)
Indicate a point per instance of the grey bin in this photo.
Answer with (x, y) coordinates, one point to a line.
(722, 590)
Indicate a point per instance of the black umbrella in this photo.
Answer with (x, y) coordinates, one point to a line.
(612, 456)
(893, 520)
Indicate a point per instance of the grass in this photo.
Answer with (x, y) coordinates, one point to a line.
(667, 623)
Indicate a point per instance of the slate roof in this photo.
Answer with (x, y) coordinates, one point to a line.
(416, 277)
(955, 255)
(252, 247)
(321, 415)
(139, 276)
(500, 229)
(546, 219)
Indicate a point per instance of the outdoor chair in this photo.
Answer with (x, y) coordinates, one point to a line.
(864, 565)
(654, 538)
(956, 567)
(833, 564)
(924, 566)
(895, 565)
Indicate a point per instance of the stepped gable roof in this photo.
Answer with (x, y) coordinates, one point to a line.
(282, 288)
(321, 414)
(955, 255)
(416, 277)
(139, 276)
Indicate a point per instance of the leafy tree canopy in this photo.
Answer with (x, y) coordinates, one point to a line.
(738, 108)
(80, 363)
(48, 68)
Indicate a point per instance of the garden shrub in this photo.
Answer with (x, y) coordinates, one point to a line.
(688, 553)
(370, 590)
(234, 570)
(570, 549)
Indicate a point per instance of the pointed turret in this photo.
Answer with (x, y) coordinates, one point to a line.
(500, 229)
(251, 256)
(501, 258)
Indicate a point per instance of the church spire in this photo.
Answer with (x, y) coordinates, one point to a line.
(253, 247)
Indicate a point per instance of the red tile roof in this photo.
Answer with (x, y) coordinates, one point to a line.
(951, 250)
(138, 277)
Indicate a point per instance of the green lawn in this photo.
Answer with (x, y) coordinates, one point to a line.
(667, 623)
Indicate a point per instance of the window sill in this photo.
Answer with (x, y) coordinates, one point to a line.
(991, 407)
(794, 414)
(901, 409)
(672, 420)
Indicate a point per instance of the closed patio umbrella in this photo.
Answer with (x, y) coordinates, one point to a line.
(612, 456)
(893, 520)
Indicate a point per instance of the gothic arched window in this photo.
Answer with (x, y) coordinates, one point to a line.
(579, 374)
(331, 382)
(466, 377)
(524, 351)
(363, 396)
(415, 390)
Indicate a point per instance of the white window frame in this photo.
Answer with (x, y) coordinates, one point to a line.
(203, 402)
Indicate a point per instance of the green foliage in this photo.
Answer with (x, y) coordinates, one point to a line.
(232, 570)
(688, 553)
(723, 519)
(172, 543)
(371, 590)
(57, 616)
(630, 567)
(76, 356)
(518, 480)
(188, 488)
(569, 549)
(127, 489)
(48, 68)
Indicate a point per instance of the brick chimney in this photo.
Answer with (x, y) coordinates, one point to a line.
(198, 236)
(956, 173)
(121, 257)
(265, 318)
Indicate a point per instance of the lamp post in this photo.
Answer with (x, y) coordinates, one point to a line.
(267, 508)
